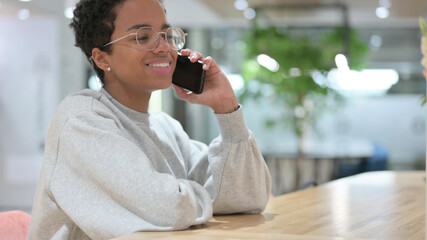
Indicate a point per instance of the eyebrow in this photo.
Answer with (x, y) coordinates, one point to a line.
(138, 26)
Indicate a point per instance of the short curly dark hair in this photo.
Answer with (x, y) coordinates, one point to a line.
(93, 25)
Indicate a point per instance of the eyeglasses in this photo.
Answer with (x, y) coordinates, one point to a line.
(148, 39)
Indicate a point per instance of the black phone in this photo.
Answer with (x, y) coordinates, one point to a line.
(188, 75)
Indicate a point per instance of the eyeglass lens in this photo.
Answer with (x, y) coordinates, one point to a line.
(148, 39)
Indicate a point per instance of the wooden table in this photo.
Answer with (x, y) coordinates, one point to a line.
(374, 205)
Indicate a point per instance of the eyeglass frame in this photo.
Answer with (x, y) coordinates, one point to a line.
(157, 38)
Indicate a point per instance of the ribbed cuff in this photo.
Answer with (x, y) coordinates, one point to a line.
(232, 126)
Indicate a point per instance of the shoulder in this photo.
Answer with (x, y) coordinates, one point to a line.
(86, 104)
(80, 101)
(84, 101)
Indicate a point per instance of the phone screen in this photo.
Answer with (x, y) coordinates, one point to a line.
(188, 75)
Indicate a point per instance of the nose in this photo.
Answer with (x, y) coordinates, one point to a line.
(162, 45)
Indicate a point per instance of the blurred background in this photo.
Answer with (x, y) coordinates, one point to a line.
(330, 88)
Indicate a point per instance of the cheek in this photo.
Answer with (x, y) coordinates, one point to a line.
(131, 61)
(127, 65)
(175, 57)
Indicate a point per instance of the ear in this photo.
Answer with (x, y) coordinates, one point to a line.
(100, 58)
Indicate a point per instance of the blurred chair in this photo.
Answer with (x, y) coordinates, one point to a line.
(377, 162)
(14, 225)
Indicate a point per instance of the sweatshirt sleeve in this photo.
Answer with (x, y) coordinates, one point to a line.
(238, 179)
(108, 187)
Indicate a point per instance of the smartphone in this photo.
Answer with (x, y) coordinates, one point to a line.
(189, 75)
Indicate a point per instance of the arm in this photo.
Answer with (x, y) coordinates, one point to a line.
(240, 180)
(243, 179)
(231, 169)
(108, 187)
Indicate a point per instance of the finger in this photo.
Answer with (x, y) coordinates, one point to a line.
(184, 94)
(195, 56)
(179, 90)
(211, 65)
(186, 52)
(207, 63)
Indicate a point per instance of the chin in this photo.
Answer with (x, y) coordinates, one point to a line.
(165, 84)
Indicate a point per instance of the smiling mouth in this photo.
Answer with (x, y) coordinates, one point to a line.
(161, 68)
(159, 65)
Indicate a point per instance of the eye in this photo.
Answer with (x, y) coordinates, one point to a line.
(143, 37)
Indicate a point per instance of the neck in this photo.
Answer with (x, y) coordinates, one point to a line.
(132, 98)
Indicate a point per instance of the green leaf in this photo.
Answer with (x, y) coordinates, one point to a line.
(423, 100)
(270, 123)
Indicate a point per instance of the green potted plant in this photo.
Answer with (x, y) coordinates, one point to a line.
(284, 62)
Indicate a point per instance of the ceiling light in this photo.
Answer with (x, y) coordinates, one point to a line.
(23, 14)
(249, 13)
(241, 5)
(379, 80)
(382, 12)
(25, 0)
(268, 62)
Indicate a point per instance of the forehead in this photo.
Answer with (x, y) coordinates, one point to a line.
(140, 12)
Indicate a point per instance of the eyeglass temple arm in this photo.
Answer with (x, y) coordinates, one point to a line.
(130, 34)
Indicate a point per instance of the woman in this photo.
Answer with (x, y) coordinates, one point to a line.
(111, 168)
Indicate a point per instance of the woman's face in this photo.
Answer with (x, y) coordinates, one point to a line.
(134, 70)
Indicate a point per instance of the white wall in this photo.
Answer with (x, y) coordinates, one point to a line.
(397, 122)
(28, 96)
(191, 13)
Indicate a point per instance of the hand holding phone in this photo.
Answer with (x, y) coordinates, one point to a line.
(189, 75)
(217, 93)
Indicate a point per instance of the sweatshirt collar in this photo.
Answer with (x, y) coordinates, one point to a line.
(137, 117)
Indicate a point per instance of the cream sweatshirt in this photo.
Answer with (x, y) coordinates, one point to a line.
(110, 171)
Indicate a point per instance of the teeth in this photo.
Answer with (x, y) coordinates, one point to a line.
(160, 65)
